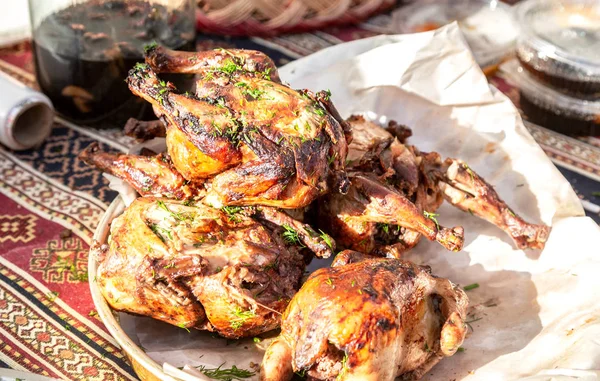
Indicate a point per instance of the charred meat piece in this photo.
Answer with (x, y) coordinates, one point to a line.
(369, 204)
(198, 267)
(379, 164)
(144, 130)
(469, 192)
(368, 319)
(260, 142)
(148, 175)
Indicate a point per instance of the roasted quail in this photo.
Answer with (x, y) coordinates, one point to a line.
(368, 319)
(253, 140)
(231, 271)
(396, 190)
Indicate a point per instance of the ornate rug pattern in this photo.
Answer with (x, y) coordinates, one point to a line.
(50, 204)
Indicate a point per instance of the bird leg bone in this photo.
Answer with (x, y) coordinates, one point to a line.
(148, 175)
(321, 244)
(384, 205)
(466, 190)
(248, 62)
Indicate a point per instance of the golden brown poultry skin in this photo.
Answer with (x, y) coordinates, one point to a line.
(195, 266)
(368, 319)
(258, 141)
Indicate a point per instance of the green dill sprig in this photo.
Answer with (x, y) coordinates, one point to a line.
(384, 227)
(150, 46)
(325, 237)
(432, 217)
(182, 325)
(232, 213)
(241, 317)
(469, 171)
(344, 369)
(290, 236)
(226, 374)
(159, 231)
(178, 216)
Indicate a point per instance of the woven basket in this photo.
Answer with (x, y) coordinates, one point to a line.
(269, 17)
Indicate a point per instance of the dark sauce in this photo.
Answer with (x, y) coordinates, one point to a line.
(83, 53)
(564, 121)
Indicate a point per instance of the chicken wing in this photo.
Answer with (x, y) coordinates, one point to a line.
(368, 319)
(148, 175)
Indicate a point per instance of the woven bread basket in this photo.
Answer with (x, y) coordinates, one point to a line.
(269, 17)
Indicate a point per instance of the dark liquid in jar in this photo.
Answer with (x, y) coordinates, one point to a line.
(83, 54)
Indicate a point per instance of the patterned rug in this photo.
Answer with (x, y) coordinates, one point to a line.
(51, 204)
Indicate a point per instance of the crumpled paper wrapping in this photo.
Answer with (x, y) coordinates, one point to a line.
(536, 314)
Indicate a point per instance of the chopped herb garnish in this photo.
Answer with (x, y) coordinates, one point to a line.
(257, 340)
(385, 228)
(469, 171)
(319, 111)
(171, 265)
(460, 349)
(325, 237)
(290, 236)
(182, 325)
(432, 217)
(177, 216)
(331, 158)
(344, 370)
(330, 282)
(231, 374)
(159, 231)
(232, 212)
(241, 317)
(596, 194)
(471, 287)
(150, 46)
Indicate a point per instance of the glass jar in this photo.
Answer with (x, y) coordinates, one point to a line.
(84, 49)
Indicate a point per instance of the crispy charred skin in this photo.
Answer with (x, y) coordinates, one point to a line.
(260, 142)
(144, 130)
(251, 62)
(465, 189)
(199, 151)
(319, 243)
(370, 201)
(148, 175)
(195, 266)
(368, 319)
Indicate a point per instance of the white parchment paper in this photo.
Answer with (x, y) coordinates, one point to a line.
(536, 315)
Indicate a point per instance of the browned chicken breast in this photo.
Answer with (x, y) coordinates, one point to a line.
(258, 141)
(396, 190)
(232, 271)
(368, 319)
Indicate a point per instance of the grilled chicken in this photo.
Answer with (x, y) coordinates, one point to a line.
(368, 319)
(257, 141)
(382, 168)
(231, 271)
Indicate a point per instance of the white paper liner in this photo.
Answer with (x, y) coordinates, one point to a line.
(543, 315)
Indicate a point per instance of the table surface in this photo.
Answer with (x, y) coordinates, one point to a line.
(52, 202)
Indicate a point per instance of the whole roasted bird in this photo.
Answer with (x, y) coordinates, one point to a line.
(368, 319)
(231, 271)
(396, 190)
(246, 137)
